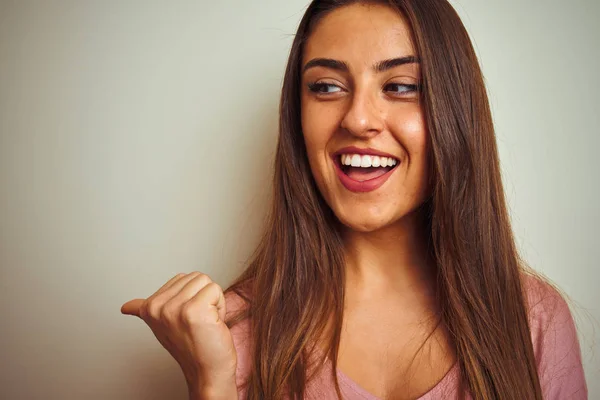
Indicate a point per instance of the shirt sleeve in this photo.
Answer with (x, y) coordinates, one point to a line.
(240, 334)
(556, 346)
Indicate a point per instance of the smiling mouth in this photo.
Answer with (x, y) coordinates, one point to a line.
(361, 168)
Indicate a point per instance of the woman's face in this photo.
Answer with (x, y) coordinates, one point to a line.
(363, 125)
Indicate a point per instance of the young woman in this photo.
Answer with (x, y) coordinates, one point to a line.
(387, 269)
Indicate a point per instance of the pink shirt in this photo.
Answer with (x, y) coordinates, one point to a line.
(553, 333)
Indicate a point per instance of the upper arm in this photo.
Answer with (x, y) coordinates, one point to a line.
(556, 345)
(241, 340)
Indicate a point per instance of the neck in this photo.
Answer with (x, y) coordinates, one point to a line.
(392, 261)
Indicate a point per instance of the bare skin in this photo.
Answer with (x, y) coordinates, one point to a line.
(391, 344)
(187, 317)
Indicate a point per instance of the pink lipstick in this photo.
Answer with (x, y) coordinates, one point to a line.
(361, 186)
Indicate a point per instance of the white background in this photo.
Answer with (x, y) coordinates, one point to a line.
(136, 139)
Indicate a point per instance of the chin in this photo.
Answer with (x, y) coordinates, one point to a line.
(371, 219)
(364, 228)
(363, 221)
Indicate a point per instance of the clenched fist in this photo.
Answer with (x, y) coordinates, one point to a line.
(187, 316)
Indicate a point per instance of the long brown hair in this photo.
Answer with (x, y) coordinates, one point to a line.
(295, 279)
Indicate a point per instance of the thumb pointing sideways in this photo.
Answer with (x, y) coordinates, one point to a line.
(132, 307)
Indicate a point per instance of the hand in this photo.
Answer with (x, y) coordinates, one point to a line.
(187, 317)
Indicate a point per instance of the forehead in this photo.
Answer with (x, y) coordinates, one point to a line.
(360, 34)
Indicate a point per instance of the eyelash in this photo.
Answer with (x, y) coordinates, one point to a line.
(316, 86)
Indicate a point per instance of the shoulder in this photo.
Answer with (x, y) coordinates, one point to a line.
(544, 303)
(555, 341)
(240, 333)
(549, 313)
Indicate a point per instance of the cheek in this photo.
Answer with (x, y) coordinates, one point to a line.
(318, 127)
(411, 132)
(315, 144)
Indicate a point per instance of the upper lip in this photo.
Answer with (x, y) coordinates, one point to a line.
(368, 151)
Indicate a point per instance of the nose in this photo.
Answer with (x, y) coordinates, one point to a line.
(363, 118)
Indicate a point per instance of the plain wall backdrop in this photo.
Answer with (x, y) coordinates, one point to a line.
(136, 141)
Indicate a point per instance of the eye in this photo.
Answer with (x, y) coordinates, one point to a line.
(324, 88)
(401, 89)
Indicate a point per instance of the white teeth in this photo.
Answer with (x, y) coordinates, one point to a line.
(366, 161)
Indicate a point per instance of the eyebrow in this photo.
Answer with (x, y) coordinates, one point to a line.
(381, 66)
